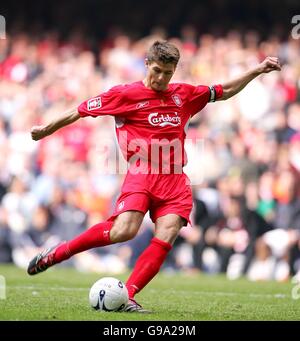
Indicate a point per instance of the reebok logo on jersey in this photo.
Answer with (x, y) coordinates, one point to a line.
(142, 104)
(163, 120)
(94, 103)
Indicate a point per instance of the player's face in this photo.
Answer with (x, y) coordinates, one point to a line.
(159, 75)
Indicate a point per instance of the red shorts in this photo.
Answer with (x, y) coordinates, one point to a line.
(161, 194)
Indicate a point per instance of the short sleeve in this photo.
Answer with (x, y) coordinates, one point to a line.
(112, 102)
(201, 95)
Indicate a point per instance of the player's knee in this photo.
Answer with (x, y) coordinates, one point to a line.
(168, 233)
(123, 231)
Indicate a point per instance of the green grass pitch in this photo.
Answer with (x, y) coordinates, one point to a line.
(61, 294)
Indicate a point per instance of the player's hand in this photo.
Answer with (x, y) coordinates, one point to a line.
(38, 132)
(270, 64)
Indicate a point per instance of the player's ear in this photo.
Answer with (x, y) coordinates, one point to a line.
(147, 63)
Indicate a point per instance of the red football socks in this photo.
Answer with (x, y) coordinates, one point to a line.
(147, 266)
(95, 236)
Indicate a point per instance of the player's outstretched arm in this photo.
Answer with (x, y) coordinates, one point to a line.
(233, 87)
(39, 132)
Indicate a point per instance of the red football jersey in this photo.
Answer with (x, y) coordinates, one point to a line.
(151, 126)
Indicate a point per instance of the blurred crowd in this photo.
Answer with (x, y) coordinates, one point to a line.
(246, 217)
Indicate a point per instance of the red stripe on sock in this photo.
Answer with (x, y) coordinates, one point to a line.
(147, 265)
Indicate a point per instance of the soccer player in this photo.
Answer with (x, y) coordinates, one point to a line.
(150, 115)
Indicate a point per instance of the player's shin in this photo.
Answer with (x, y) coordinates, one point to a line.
(147, 265)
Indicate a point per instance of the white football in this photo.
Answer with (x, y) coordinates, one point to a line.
(108, 294)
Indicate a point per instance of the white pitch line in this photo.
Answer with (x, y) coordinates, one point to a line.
(224, 293)
(29, 287)
(183, 292)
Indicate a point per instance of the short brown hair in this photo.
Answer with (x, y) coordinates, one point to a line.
(164, 52)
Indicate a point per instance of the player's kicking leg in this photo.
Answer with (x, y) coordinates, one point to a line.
(123, 228)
